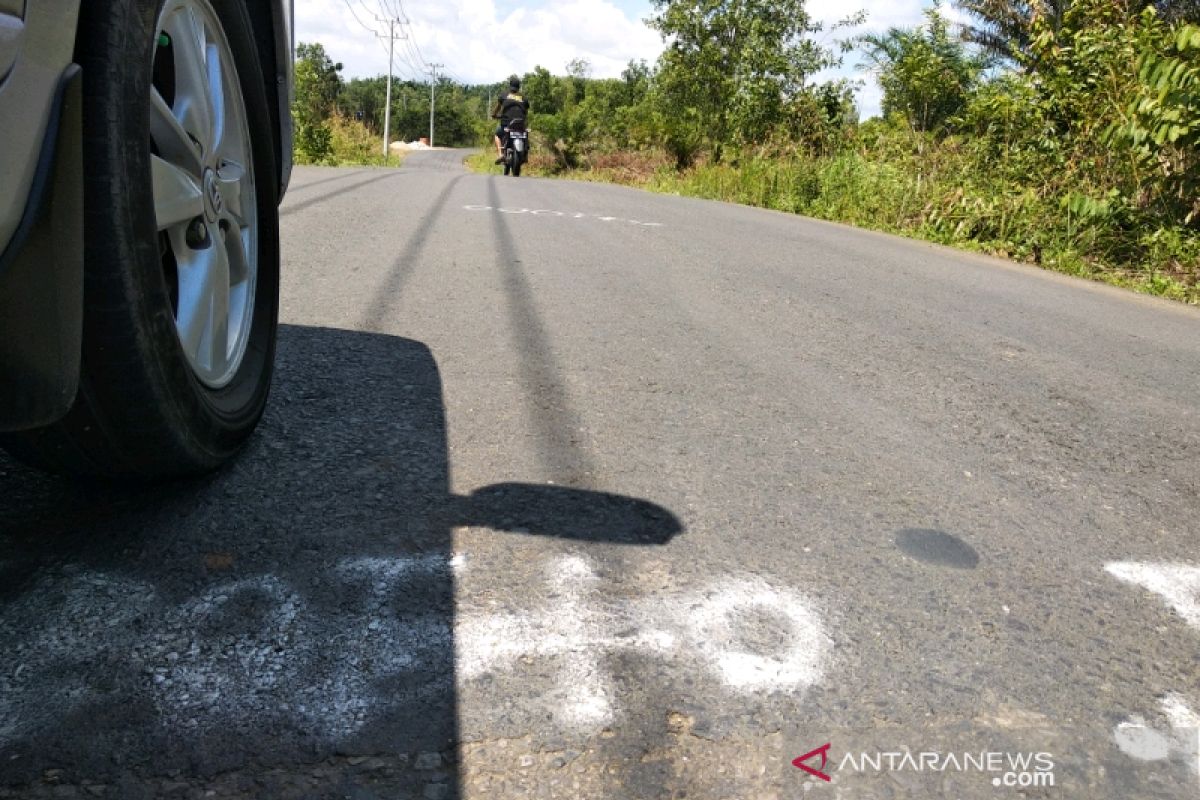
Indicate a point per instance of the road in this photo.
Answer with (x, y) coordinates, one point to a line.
(569, 490)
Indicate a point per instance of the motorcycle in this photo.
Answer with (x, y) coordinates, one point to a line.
(516, 147)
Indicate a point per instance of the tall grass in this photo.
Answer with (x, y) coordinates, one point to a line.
(940, 197)
(346, 142)
(937, 190)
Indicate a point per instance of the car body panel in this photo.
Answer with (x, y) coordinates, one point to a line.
(41, 179)
(42, 48)
(285, 45)
(41, 277)
(12, 33)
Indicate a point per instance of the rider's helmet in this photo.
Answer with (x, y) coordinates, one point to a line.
(514, 82)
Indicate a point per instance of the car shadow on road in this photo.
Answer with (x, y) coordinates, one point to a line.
(284, 628)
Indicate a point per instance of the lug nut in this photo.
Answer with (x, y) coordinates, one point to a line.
(197, 233)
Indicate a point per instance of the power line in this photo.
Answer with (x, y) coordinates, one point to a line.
(394, 14)
(406, 74)
(418, 65)
(356, 19)
(385, 11)
(404, 14)
(417, 47)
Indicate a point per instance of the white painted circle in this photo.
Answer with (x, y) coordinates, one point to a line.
(798, 663)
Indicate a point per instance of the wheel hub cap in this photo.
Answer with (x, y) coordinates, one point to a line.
(204, 193)
(214, 206)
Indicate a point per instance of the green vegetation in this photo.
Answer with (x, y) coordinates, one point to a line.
(1064, 133)
(341, 122)
(317, 86)
(927, 75)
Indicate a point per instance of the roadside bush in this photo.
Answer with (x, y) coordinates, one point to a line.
(1162, 126)
(353, 143)
(314, 143)
(338, 141)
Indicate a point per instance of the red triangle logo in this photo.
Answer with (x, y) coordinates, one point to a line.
(823, 752)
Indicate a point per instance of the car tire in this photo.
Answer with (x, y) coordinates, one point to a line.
(156, 400)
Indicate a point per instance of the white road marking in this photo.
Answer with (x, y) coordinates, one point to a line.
(1137, 739)
(1178, 584)
(491, 641)
(1179, 714)
(1186, 724)
(65, 628)
(700, 626)
(231, 667)
(257, 649)
(548, 212)
(799, 661)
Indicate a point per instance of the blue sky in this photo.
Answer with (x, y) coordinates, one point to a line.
(482, 41)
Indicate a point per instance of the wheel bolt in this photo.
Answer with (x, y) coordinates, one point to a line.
(197, 233)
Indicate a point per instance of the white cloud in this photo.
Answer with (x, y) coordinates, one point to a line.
(480, 42)
(476, 41)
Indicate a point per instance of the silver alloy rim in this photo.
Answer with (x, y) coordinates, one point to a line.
(204, 198)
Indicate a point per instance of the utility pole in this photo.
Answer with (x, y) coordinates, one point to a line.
(392, 36)
(433, 68)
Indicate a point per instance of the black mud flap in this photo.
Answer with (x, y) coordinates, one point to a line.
(41, 278)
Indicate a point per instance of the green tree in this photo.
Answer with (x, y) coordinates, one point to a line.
(636, 77)
(579, 71)
(317, 87)
(538, 88)
(1004, 28)
(926, 74)
(318, 91)
(729, 67)
(1162, 124)
(363, 99)
(820, 120)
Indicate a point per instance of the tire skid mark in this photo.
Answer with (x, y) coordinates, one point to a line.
(406, 262)
(312, 201)
(300, 187)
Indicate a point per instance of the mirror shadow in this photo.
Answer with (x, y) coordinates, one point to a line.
(284, 628)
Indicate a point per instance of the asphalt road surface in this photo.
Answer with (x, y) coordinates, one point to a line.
(569, 490)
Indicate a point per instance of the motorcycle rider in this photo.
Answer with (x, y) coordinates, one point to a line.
(509, 108)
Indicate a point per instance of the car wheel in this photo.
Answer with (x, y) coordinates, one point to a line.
(182, 244)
